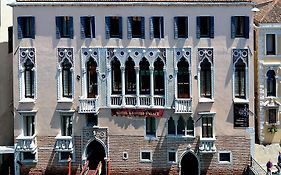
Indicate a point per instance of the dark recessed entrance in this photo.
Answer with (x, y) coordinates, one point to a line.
(96, 154)
(189, 164)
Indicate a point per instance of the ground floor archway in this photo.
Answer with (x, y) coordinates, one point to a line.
(189, 164)
(95, 153)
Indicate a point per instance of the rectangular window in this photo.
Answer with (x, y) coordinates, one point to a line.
(26, 27)
(205, 27)
(64, 156)
(240, 27)
(207, 127)
(150, 126)
(181, 27)
(113, 27)
(28, 156)
(145, 156)
(66, 125)
(172, 156)
(270, 44)
(28, 125)
(92, 120)
(272, 119)
(136, 27)
(10, 39)
(64, 27)
(241, 115)
(224, 157)
(87, 27)
(156, 27)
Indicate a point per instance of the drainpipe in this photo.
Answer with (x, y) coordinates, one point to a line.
(16, 162)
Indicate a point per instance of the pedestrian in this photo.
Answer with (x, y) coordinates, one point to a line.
(279, 160)
(269, 166)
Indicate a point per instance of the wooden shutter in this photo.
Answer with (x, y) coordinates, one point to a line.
(20, 26)
(161, 27)
(142, 28)
(120, 27)
(212, 27)
(58, 27)
(130, 21)
(246, 26)
(93, 25)
(198, 27)
(176, 27)
(82, 27)
(233, 26)
(151, 30)
(107, 27)
(71, 27)
(186, 27)
(32, 27)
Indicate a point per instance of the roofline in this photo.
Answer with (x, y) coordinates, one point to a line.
(143, 3)
(269, 25)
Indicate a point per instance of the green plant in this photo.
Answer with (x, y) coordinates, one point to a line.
(273, 129)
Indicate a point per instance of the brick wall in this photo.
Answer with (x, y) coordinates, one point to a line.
(48, 158)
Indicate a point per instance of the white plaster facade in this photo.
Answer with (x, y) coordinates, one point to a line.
(219, 50)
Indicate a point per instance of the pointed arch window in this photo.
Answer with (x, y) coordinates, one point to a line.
(116, 76)
(190, 127)
(171, 126)
(271, 83)
(144, 80)
(130, 77)
(205, 79)
(240, 79)
(29, 79)
(92, 79)
(183, 79)
(159, 77)
(66, 79)
(181, 126)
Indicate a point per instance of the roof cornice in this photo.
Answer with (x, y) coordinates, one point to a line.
(130, 3)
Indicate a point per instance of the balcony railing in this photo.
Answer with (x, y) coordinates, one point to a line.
(142, 100)
(88, 105)
(183, 105)
(207, 145)
(26, 143)
(64, 143)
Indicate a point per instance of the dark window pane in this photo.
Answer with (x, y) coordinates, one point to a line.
(29, 79)
(171, 126)
(205, 79)
(66, 79)
(182, 27)
(205, 26)
(272, 116)
(114, 27)
(183, 79)
(28, 156)
(271, 83)
(240, 79)
(65, 155)
(92, 120)
(159, 77)
(145, 155)
(181, 126)
(224, 157)
(144, 77)
(92, 79)
(241, 115)
(270, 44)
(172, 156)
(136, 27)
(116, 76)
(150, 126)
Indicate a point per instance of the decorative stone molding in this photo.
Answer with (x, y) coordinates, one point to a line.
(65, 53)
(206, 53)
(240, 54)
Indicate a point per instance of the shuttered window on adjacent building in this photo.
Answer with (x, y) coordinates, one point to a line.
(64, 27)
(240, 27)
(87, 24)
(26, 27)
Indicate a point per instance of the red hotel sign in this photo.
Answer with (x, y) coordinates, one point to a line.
(137, 112)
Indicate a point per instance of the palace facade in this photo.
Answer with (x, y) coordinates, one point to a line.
(141, 87)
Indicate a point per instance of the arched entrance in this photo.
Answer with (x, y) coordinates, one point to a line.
(95, 153)
(189, 164)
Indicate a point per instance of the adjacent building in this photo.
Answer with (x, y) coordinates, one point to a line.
(138, 87)
(268, 55)
(6, 89)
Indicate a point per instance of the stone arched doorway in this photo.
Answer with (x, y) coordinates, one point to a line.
(189, 164)
(95, 153)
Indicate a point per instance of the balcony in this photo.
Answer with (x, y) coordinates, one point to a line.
(139, 101)
(183, 105)
(207, 145)
(88, 105)
(26, 143)
(64, 143)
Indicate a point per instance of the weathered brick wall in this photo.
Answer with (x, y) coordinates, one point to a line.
(48, 159)
(239, 147)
